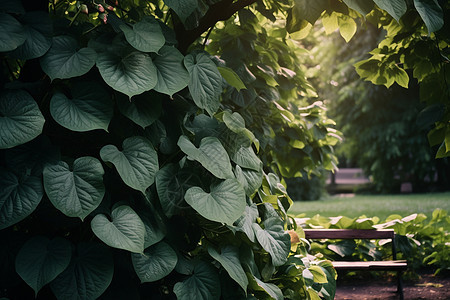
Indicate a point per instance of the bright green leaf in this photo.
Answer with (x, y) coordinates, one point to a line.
(231, 78)
(431, 13)
(155, 263)
(131, 74)
(12, 33)
(203, 284)
(274, 240)
(396, 8)
(19, 197)
(20, 118)
(125, 231)
(205, 84)
(40, 260)
(66, 60)
(229, 259)
(136, 164)
(172, 75)
(89, 107)
(318, 274)
(38, 30)
(210, 155)
(75, 191)
(146, 35)
(347, 28)
(225, 203)
(88, 275)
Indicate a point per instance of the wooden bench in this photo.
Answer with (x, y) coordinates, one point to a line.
(370, 234)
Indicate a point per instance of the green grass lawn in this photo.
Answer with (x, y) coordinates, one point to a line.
(381, 206)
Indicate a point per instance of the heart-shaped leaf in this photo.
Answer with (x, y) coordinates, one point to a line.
(155, 263)
(12, 33)
(205, 83)
(246, 158)
(89, 108)
(65, 59)
(171, 187)
(274, 239)
(231, 78)
(126, 231)
(77, 191)
(229, 259)
(211, 155)
(183, 8)
(143, 109)
(146, 35)
(88, 275)
(249, 179)
(131, 74)
(203, 284)
(246, 221)
(172, 75)
(225, 203)
(137, 163)
(396, 8)
(20, 119)
(431, 13)
(19, 197)
(40, 260)
(38, 30)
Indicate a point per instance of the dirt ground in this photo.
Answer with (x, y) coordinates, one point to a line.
(427, 287)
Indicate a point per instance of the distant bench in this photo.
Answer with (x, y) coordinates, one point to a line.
(386, 265)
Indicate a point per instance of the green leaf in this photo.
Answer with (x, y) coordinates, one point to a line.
(205, 83)
(171, 185)
(318, 275)
(183, 8)
(347, 28)
(236, 123)
(274, 240)
(136, 164)
(89, 107)
(246, 158)
(126, 231)
(19, 197)
(38, 30)
(88, 275)
(203, 284)
(309, 10)
(246, 221)
(131, 74)
(225, 203)
(155, 263)
(66, 60)
(75, 191)
(251, 180)
(12, 33)
(20, 119)
(172, 75)
(396, 8)
(431, 13)
(210, 155)
(232, 78)
(146, 35)
(143, 109)
(229, 259)
(399, 75)
(362, 6)
(40, 260)
(269, 288)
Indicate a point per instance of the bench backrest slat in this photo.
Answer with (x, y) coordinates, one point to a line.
(349, 233)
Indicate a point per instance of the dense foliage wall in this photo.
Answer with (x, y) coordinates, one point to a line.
(134, 164)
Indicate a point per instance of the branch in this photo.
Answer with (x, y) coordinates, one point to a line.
(219, 11)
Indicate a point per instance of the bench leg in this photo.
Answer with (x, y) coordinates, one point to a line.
(400, 285)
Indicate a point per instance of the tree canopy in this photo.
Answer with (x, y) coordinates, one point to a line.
(143, 144)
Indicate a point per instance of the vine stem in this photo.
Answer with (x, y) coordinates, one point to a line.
(75, 17)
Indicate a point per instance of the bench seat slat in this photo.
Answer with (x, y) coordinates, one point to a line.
(371, 265)
(349, 234)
